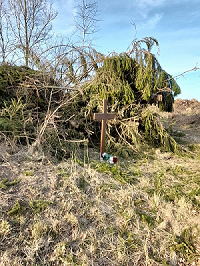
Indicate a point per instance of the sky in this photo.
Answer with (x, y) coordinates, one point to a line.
(174, 23)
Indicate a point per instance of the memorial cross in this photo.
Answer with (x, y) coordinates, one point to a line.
(104, 116)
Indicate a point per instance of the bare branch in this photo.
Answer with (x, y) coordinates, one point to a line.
(86, 18)
(31, 24)
(182, 74)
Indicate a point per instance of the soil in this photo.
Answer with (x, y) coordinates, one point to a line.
(184, 121)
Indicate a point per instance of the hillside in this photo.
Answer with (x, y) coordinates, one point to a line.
(142, 211)
(185, 120)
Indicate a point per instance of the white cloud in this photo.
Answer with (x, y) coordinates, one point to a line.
(151, 22)
(151, 3)
(64, 23)
(144, 7)
(64, 6)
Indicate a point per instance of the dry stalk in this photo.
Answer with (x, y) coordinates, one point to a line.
(47, 120)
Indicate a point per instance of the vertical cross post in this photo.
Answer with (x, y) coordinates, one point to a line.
(104, 116)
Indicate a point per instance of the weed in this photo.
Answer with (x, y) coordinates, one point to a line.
(179, 170)
(139, 202)
(115, 171)
(107, 187)
(159, 181)
(64, 173)
(184, 245)
(135, 171)
(82, 184)
(194, 147)
(147, 218)
(16, 210)
(178, 134)
(37, 206)
(5, 183)
(28, 173)
(174, 192)
(128, 241)
(194, 196)
(79, 162)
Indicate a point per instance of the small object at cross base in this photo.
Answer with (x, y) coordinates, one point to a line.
(109, 158)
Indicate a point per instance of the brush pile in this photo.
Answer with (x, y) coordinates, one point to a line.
(40, 113)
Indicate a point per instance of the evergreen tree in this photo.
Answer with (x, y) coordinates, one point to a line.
(134, 76)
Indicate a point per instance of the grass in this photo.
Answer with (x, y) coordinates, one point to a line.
(144, 212)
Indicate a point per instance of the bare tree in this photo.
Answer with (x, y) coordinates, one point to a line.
(4, 31)
(86, 18)
(2, 42)
(31, 23)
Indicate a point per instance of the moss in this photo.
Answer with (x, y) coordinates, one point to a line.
(82, 184)
(116, 172)
(28, 173)
(5, 183)
(16, 210)
(37, 206)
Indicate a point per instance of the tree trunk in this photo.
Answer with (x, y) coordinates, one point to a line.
(26, 34)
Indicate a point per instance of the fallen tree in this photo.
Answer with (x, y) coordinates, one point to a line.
(52, 112)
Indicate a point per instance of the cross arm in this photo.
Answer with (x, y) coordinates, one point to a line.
(103, 116)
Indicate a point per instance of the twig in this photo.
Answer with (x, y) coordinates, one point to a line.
(125, 141)
(52, 87)
(48, 118)
(77, 141)
(193, 69)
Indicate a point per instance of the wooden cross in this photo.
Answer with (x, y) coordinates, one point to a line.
(104, 116)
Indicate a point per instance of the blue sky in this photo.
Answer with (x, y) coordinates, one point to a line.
(174, 23)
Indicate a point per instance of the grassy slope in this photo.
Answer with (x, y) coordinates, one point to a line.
(68, 214)
(142, 212)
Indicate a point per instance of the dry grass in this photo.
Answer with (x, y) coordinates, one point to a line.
(142, 212)
(135, 213)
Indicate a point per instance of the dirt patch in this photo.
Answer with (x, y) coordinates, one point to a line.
(184, 121)
(186, 106)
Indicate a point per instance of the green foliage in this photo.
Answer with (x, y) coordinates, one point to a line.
(113, 81)
(11, 119)
(28, 173)
(133, 77)
(10, 78)
(37, 206)
(117, 173)
(16, 210)
(129, 81)
(82, 184)
(147, 218)
(156, 134)
(4, 184)
(24, 101)
(128, 241)
(184, 244)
